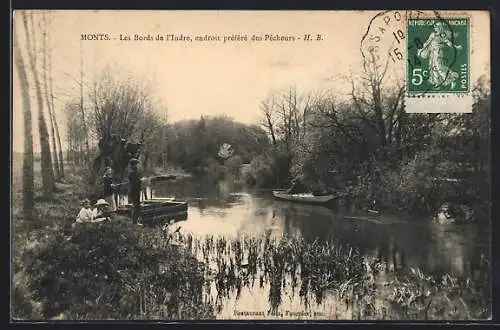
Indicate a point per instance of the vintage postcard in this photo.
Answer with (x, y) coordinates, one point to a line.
(251, 165)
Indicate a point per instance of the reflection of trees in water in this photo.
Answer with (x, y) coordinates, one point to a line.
(391, 256)
(284, 264)
(318, 271)
(395, 246)
(187, 187)
(456, 253)
(206, 193)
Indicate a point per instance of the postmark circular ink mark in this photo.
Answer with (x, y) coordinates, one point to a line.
(390, 38)
(383, 40)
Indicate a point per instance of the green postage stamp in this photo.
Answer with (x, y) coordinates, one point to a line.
(438, 63)
(438, 58)
(429, 53)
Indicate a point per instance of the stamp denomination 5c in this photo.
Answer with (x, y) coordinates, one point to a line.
(438, 62)
(431, 50)
(438, 55)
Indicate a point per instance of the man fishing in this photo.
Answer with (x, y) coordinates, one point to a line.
(298, 186)
(134, 195)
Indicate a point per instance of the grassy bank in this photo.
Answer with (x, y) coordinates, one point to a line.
(96, 271)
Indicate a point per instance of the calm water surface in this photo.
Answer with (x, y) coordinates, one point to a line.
(228, 210)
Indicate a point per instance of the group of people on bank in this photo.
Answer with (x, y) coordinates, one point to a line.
(106, 204)
(98, 213)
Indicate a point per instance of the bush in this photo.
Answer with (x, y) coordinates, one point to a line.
(268, 170)
(106, 271)
(413, 186)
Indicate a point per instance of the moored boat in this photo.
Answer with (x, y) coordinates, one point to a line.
(163, 177)
(157, 207)
(308, 198)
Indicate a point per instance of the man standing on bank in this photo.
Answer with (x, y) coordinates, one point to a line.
(134, 195)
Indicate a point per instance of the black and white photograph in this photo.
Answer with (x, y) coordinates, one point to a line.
(176, 165)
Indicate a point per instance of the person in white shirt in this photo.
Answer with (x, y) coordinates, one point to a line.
(85, 214)
(101, 212)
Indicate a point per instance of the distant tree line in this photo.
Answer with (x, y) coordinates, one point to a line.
(194, 144)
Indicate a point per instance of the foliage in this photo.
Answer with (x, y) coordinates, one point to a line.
(319, 270)
(108, 271)
(371, 148)
(195, 144)
(225, 151)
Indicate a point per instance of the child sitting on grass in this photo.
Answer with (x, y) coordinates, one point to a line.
(86, 214)
(98, 214)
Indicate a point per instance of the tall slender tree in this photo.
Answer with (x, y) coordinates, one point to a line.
(61, 158)
(47, 98)
(28, 172)
(46, 159)
(82, 111)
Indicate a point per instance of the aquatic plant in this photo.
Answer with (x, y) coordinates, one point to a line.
(324, 269)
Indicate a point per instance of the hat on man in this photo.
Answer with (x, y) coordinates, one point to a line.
(134, 161)
(101, 202)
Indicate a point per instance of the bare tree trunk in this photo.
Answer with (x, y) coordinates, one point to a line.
(82, 109)
(146, 161)
(61, 158)
(69, 148)
(46, 159)
(164, 141)
(47, 99)
(28, 172)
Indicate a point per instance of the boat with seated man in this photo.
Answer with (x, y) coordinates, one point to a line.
(308, 198)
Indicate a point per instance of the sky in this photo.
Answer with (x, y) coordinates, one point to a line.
(210, 78)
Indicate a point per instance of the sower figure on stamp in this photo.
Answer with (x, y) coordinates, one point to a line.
(134, 195)
(433, 49)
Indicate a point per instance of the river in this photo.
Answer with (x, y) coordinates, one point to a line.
(229, 210)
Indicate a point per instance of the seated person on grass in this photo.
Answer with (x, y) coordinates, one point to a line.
(101, 211)
(86, 214)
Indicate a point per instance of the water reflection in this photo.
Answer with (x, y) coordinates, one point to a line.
(224, 210)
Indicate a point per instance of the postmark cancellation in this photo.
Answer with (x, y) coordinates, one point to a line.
(432, 50)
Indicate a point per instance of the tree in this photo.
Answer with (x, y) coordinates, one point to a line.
(82, 111)
(195, 144)
(119, 103)
(151, 137)
(121, 117)
(28, 173)
(76, 133)
(45, 50)
(286, 119)
(46, 159)
(52, 108)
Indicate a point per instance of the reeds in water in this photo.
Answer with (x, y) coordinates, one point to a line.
(320, 270)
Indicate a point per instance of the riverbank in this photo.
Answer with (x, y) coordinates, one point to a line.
(96, 271)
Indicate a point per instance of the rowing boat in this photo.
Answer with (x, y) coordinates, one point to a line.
(156, 207)
(163, 177)
(304, 197)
